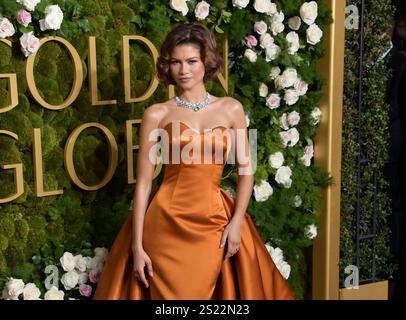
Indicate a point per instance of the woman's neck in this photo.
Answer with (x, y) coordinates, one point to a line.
(193, 95)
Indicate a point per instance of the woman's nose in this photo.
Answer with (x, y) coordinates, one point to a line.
(183, 68)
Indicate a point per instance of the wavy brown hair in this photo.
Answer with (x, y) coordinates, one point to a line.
(189, 33)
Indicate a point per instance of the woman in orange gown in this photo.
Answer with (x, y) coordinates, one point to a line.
(191, 239)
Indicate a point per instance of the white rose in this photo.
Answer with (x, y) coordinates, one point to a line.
(307, 155)
(250, 55)
(260, 27)
(95, 263)
(297, 201)
(101, 252)
(280, 82)
(67, 261)
(31, 292)
(278, 17)
(29, 4)
(283, 175)
(54, 294)
(275, 71)
(277, 27)
(180, 6)
(308, 12)
(29, 43)
(291, 97)
(6, 28)
(285, 138)
(80, 262)
(70, 279)
(290, 75)
(293, 48)
(275, 253)
(290, 137)
(83, 277)
(247, 120)
(202, 10)
(272, 9)
(284, 268)
(277, 257)
(240, 4)
(314, 34)
(272, 52)
(294, 23)
(315, 115)
(301, 87)
(265, 40)
(293, 118)
(293, 39)
(311, 231)
(273, 101)
(263, 191)
(53, 18)
(263, 90)
(294, 136)
(276, 160)
(263, 6)
(283, 121)
(13, 288)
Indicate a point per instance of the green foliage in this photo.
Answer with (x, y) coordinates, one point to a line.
(373, 123)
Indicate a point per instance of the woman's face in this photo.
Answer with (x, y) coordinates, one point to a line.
(186, 66)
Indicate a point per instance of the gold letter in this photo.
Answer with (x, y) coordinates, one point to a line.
(224, 78)
(38, 169)
(77, 79)
(12, 85)
(18, 170)
(92, 65)
(127, 72)
(130, 155)
(68, 156)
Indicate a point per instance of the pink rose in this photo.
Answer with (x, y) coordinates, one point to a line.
(85, 290)
(23, 17)
(260, 27)
(94, 275)
(273, 101)
(202, 10)
(29, 43)
(6, 28)
(251, 41)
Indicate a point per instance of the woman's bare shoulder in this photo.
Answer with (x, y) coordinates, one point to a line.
(157, 111)
(230, 103)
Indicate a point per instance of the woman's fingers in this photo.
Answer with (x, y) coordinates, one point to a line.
(141, 276)
(224, 238)
(232, 249)
(149, 267)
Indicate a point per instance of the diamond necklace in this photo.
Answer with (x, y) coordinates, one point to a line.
(194, 106)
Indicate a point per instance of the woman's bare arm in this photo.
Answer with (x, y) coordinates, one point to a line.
(144, 172)
(243, 162)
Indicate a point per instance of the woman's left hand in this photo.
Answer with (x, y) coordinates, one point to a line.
(231, 234)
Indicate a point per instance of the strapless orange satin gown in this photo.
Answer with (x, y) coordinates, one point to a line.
(183, 226)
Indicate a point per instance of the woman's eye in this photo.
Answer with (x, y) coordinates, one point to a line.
(192, 61)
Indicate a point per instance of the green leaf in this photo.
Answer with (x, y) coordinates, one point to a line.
(84, 25)
(137, 20)
(218, 29)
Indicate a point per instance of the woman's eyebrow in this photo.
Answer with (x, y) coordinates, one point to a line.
(175, 59)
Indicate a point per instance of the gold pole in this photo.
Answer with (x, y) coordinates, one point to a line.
(326, 248)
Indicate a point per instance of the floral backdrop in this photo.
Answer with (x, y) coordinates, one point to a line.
(273, 50)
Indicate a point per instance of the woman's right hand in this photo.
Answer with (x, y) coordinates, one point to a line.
(142, 260)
